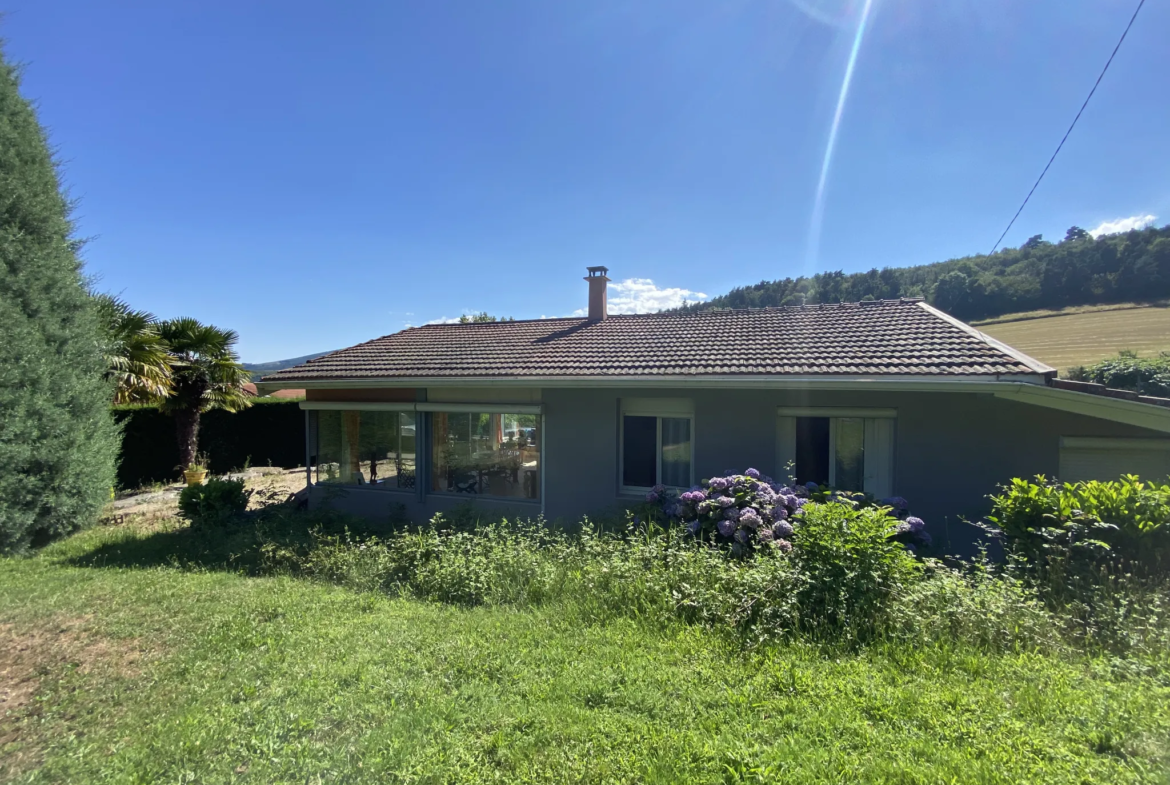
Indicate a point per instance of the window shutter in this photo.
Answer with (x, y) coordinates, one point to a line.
(879, 457)
(785, 448)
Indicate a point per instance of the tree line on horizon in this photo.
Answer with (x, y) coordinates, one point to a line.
(1078, 270)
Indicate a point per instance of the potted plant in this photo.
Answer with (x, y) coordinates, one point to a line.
(196, 471)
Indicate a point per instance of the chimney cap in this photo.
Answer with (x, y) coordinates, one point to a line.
(599, 270)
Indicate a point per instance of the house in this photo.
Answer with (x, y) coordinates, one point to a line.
(564, 417)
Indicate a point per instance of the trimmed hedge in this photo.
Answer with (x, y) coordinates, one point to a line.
(268, 433)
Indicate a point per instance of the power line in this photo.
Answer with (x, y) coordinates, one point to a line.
(1070, 128)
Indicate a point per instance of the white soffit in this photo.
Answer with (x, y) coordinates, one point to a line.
(1143, 415)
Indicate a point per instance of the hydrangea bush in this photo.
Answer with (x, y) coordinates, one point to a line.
(750, 509)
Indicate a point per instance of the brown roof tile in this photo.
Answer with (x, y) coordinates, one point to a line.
(891, 337)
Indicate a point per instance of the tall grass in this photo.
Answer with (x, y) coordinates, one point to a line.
(839, 586)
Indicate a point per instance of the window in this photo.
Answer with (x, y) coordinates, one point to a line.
(376, 449)
(656, 443)
(850, 449)
(486, 454)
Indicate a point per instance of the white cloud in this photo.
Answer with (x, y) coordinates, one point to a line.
(1123, 225)
(640, 295)
(633, 295)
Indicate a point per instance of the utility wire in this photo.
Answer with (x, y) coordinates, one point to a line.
(1070, 128)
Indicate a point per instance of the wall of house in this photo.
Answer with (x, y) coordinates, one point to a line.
(951, 449)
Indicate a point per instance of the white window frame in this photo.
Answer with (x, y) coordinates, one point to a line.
(878, 473)
(673, 408)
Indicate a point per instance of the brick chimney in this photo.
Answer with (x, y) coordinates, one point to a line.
(597, 281)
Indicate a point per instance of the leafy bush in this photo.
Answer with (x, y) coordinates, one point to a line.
(214, 502)
(1126, 371)
(1069, 532)
(849, 567)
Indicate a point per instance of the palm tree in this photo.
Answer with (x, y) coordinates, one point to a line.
(206, 374)
(136, 357)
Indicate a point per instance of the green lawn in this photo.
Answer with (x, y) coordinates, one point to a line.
(157, 674)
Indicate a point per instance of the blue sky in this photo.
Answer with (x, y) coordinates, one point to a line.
(314, 175)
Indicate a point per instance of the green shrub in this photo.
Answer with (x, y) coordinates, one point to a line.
(1146, 376)
(214, 502)
(58, 442)
(1069, 534)
(849, 567)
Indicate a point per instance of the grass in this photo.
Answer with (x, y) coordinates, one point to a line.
(1081, 336)
(121, 667)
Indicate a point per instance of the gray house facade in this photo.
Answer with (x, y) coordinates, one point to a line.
(572, 417)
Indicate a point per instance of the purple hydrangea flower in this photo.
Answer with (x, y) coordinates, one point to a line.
(779, 513)
(750, 518)
(916, 524)
(726, 528)
(731, 514)
(811, 487)
(753, 473)
(782, 529)
(897, 502)
(719, 483)
(784, 545)
(652, 497)
(764, 535)
(726, 501)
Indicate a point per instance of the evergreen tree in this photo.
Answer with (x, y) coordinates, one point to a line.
(58, 441)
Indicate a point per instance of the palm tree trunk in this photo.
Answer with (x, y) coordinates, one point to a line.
(187, 431)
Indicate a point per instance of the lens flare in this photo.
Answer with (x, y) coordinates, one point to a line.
(814, 239)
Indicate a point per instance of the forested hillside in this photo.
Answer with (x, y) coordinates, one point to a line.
(1134, 266)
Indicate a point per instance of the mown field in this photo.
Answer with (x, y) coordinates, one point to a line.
(118, 665)
(1084, 336)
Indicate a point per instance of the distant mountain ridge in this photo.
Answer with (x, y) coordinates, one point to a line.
(260, 369)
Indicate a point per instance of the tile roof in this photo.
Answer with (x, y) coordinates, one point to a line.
(887, 337)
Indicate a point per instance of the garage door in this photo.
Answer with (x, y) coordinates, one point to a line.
(1086, 458)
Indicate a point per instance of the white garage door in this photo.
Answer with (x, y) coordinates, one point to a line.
(1088, 458)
